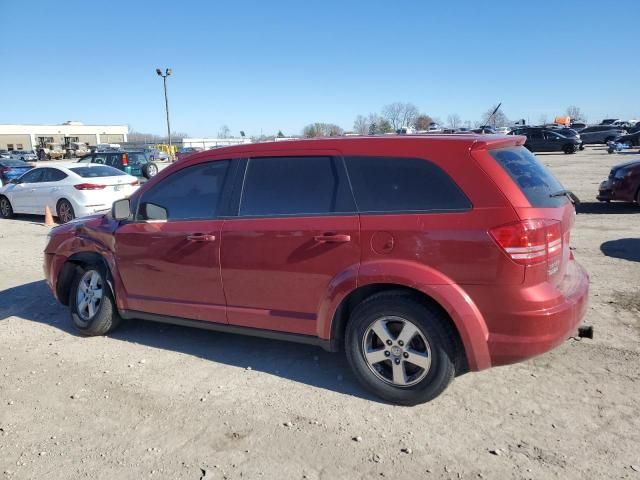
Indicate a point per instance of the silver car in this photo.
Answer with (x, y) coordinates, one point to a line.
(23, 155)
(600, 133)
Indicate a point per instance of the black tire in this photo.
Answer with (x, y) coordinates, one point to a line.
(64, 211)
(569, 149)
(6, 210)
(609, 139)
(638, 197)
(432, 326)
(105, 318)
(149, 170)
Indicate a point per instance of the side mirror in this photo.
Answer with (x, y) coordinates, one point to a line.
(120, 209)
(15, 181)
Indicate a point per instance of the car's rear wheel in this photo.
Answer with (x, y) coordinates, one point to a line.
(150, 170)
(6, 210)
(65, 211)
(400, 348)
(93, 309)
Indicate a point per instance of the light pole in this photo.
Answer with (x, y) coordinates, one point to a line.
(164, 76)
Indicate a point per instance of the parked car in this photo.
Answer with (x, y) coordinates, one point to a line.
(608, 121)
(10, 169)
(577, 126)
(156, 155)
(503, 130)
(186, 151)
(71, 190)
(400, 265)
(23, 155)
(130, 161)
(568, 132)
(541, 139)
(485, 129)
(623, 183)
(630, 139)
(600, 134)
(5, 154)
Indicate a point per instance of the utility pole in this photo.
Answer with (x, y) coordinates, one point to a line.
(164, 76)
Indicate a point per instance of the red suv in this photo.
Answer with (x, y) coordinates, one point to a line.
(422, 256)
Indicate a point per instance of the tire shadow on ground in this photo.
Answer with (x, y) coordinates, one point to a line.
(300, 363)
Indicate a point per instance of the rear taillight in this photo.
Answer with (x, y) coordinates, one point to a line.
(125, 160)
(531, 241)
(89, 186)
(4, 170)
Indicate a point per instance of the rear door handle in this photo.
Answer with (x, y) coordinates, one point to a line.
(201, 237)
(332, 238)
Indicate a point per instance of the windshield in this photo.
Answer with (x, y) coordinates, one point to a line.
(534, 180)
(97, 171)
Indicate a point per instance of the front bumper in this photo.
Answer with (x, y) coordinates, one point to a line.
(536, 332)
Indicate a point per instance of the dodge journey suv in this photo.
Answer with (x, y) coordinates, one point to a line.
(422, 257)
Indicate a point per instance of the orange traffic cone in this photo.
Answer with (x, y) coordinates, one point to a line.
(48, 218)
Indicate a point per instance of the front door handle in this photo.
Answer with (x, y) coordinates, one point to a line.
(330, 238)
(201, 237)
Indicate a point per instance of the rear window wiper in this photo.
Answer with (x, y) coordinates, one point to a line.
(566, 193)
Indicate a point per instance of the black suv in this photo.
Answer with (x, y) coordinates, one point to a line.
(542, 139)
(133, 162)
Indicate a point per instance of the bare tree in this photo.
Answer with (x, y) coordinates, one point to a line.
(576, 114)
(319, 129)
(400, 114)
(223, 132)
(361, 125)
(454, 121)
(499, 119)
(423, 122)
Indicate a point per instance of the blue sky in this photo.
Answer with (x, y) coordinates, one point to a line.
(263, 66)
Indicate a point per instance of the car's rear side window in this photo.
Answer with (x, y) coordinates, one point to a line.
(314, 185)
(391, 184)
(534, 180)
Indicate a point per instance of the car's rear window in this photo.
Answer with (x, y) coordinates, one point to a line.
(534, 180)
(97, 171)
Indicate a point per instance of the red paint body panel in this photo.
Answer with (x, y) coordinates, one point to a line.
(272, 273)
(275, 273)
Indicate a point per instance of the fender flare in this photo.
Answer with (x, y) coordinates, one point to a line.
(451, 297)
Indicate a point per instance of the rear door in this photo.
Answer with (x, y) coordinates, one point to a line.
(296, 232)
(48, 190)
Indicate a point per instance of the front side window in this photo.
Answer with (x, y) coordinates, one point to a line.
(389, 184)
(193, 193)
(276, 186)
(32, 176)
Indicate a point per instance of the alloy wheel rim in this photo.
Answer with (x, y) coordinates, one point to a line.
(89, 295)
(65, 213)
(396, 351)
(4, 207)
(153, 170)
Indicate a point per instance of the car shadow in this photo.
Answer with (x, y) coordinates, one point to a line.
(33, 219)
(624, 248)
(300, 363)
(614, 208)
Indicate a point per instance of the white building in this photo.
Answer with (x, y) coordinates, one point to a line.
(207, 143)
(30, 137)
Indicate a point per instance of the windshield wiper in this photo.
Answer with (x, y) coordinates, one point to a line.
(567, 193)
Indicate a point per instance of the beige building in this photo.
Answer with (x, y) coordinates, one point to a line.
(30, 137)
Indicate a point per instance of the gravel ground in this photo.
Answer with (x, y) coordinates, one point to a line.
(157, 401)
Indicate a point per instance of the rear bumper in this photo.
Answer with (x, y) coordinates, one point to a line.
(538, 331)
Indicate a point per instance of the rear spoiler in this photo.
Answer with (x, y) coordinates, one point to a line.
(495, 141)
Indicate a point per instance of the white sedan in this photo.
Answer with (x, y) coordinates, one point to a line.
(23, 155)
(71, 190)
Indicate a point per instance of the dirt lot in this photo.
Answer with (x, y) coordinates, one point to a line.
(156, 401)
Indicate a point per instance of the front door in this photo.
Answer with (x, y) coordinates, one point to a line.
(169, 255)
(22, 194)
(295, 236)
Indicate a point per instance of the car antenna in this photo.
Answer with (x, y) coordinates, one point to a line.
(486, 122)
